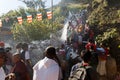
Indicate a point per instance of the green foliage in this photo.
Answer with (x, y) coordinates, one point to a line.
(37, 30)
(34, 4)
(107, 36)
(103, 13)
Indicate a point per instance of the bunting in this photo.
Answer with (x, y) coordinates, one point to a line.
(39, 16)
(29, 18)
(0, 23)
(49, 15)
(19, 20)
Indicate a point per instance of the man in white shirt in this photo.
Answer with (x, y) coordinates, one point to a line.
(2, 62)
(49, 67)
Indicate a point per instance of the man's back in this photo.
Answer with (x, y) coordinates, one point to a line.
(46, 69)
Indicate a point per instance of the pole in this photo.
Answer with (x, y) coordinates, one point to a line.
(52, 12)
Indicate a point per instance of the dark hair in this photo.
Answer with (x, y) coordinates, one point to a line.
(24, 45)
(50, 52)
(8, 49)
(2, 50)
(86, 55)
(19, 45)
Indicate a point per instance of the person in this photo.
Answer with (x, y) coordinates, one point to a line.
(102, 57)
(19, 70)
(9, 63)
(91, 74)
(49, 68)
(2, 62)
(90, 44)
(19, 47)
(62, 52)
(25, 56)
(2, 44)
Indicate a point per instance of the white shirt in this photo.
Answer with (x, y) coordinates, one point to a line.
(46, 69)
(2, 74)
(73, 54)
(27, 55)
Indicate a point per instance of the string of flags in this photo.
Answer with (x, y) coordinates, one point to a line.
(20, 20)
(39, 16)
(29, 17)
(49, 15)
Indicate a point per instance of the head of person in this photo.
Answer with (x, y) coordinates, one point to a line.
(3, 57)
(25, 46)
(16, 57)
(2, 44)
(8, 49)
(86, 56)
(50, 52)
(90, 40)
(18, 46)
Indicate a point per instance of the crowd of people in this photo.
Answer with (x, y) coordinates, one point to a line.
(58, 63)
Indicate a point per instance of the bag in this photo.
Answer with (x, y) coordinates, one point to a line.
(79, 73)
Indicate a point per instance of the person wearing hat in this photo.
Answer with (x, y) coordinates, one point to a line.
(19, 71)
(49, 67)
(2, 62)
(2, 44)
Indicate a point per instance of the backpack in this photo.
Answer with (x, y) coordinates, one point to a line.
(79, 72)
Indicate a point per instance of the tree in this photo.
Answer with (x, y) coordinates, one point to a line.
(34, 4)
(37, 30)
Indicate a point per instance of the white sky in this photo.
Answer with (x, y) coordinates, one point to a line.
(7, 5)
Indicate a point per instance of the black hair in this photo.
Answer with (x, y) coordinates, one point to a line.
(86, 56)
(19, 45)
(2, 50)
(50, 52)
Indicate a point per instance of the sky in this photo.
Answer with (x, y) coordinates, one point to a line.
(7, 5)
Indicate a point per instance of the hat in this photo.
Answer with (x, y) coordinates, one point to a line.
(2, 44)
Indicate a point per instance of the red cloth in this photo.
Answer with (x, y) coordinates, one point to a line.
(2, 44)
(20, 71)
(87, 46)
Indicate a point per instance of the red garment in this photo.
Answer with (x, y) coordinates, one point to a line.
(87, 46)
(2, 44)
(20, 71)
(103, 56)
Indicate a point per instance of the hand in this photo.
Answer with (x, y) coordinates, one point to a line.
(10, 76)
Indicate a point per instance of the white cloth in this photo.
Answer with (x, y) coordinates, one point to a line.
(27, 55)
(2, 74)
(73, 54)
(101, 68)
(46, 69)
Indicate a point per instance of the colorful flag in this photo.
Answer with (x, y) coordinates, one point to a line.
(49, 15)
(0, 23)
(39, 16)
(29, 18)
(19, 20)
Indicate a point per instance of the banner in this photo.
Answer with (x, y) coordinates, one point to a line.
(29, 18)
(49, 15)
(19, 20)
(0, 23)
(39, 16)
